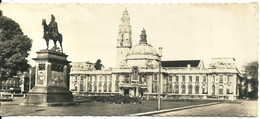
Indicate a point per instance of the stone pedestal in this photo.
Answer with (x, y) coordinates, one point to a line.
(50, 80)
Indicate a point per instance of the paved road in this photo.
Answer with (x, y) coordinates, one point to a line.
(231, 109)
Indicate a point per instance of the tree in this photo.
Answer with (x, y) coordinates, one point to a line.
(14, 48)
(251, 75)
(98, 65)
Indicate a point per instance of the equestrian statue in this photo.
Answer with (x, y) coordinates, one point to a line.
(51, 32)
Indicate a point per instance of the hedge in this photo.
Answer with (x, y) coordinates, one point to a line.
(118, 99)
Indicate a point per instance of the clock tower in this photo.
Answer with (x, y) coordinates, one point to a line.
(124, 40)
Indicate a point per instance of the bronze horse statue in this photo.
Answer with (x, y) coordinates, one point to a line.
(47, 34)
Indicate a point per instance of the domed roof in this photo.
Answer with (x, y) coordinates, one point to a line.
(143, 49)
(142, 54)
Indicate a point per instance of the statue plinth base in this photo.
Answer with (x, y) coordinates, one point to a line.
(51, 82)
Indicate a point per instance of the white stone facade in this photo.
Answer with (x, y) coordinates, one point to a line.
(137, 73)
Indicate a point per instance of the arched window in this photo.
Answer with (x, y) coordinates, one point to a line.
(176, 89)
(183, 89)
(136, 75)
(105, 87)
(197, 89)
(190, 89)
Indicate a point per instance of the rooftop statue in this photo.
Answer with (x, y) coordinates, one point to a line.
(51, 32)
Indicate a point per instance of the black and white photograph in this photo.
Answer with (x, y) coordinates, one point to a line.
(155, 60)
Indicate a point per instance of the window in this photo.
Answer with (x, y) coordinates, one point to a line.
(204, 79)
(220, 89)
(155, 89)
(155, 77)
(213, 90)
(170, 78)
(176, 88)
(177, 79)
(95, 87)
(76, 78)
(76, 88)
(100, 87)
(90, 78)
(197, 88)
(90, 87)
(197, 79)
(117, 78)
(170, 88)
(228, 91)
(81, 86)
(105, 78)
(183, 78)
(105, 87)
(220, 78)
(117, 87)
(95, 78)
(135, 75)
(183, 89)
(204, 89)
(190, 78)
(110, 87)
(81, 78)
(213, 78)
(190, 89)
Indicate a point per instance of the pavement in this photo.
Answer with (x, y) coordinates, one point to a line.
(226, 109)
(171, 110)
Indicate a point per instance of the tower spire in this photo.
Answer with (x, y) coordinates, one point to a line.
(124, 40)
(124, 31)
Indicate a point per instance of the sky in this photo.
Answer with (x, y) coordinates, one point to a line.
(185, 31)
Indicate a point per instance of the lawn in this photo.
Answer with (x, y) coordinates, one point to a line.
(97, 109)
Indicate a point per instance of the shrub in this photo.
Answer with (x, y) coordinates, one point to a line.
(117, 99)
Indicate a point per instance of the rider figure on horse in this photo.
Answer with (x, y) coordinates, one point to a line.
(50, 31)
(53, 27)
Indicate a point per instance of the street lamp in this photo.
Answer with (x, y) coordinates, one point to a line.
(159, 82)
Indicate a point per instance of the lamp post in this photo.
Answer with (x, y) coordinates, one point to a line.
(159, 82)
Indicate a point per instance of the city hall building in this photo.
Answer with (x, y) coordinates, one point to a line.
(137, 73)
